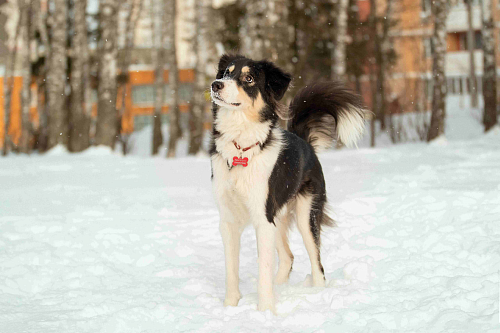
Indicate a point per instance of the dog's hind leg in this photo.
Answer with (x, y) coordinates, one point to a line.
(309, 229)
(284, 253)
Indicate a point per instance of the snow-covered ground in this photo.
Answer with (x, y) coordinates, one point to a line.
(97, 242)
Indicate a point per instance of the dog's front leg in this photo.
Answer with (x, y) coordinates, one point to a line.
(266, 247)
(231, 235)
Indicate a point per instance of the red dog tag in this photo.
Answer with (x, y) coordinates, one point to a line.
(240, 161)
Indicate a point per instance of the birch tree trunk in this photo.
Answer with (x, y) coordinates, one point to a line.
(133, 15)
(173, 80)
(158, 62)
(56, 77)
(383, 68)
(87, 89)
(8, 85)
(381, 47)
(470, 47)
(78, 118)
(26, 74)
(254, 30)
(292, 21)
(279, 34)
(356, 50)
(376, 97)
(489, 71)
(41, 24)
(339, 40)
(106, 109)
(197, 111)
(437, 125)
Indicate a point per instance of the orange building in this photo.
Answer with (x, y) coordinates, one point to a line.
(410, 78)
(15, 115)
(139, 101)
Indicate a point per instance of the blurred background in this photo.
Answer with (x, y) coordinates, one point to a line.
(133, 74)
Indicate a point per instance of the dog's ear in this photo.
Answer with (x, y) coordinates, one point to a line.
(224, 61)
(276, 79)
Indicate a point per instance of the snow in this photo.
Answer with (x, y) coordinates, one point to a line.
(97, 242)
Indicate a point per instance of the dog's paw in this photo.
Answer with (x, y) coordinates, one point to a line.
(281, 278)
(232, 300)
(318, 281)
(266, 305)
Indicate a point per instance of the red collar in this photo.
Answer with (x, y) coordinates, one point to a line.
(244, 149)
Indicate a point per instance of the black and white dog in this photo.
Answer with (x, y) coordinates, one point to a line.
(266, 176)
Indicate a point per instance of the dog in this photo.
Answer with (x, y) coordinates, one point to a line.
(266, 176)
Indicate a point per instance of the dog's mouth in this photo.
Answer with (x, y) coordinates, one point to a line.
(217, 97)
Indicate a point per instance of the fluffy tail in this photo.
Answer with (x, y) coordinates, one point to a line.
(324, 112)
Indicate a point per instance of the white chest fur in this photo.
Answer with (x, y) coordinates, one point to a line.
(239, 186)
(235, 126)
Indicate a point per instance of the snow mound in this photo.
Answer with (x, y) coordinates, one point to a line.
(99, 151)
(440, 141)
(495, 131)
(58, 150)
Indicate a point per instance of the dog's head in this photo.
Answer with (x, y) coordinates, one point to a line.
(247, 85)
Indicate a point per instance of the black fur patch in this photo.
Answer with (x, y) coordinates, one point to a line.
(225, 61)
(297, 170)
(277, 81)
(268, 140)
(268, 114)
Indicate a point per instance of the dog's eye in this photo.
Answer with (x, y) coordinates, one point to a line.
(249, 79)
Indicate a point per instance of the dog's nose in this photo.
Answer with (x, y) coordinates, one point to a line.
(217, 85)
